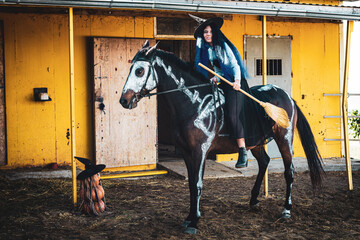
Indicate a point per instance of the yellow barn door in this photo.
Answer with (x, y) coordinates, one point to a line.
(123, 137)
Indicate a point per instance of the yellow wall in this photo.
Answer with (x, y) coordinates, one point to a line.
(315, 67)
(36, 55)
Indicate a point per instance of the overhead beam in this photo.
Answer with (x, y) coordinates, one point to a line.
(225, 7)
(107, 12)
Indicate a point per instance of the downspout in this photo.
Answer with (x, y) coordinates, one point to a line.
(72, 103)
(344, 105)
(264, 82)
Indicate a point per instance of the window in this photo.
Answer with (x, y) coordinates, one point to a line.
(174, 28)
(273, 67)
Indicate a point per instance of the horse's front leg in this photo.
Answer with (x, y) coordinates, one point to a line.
(195, 167)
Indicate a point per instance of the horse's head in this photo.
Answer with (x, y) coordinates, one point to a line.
(141, 79)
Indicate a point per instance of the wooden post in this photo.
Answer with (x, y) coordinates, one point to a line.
(72, 103)
(344, 105)
(264, 82)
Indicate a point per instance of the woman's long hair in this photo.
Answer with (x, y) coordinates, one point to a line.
(218, 40)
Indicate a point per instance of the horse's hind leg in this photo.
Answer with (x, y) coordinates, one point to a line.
(285, 148)
(263, 161)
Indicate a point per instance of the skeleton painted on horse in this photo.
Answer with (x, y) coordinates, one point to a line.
(199, 126)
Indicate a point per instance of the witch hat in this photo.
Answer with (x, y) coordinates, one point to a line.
(217, 21)
(90, 169)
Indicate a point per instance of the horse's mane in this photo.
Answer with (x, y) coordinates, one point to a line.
(184, 67)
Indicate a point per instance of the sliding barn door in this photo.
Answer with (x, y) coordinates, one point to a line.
(123, 137)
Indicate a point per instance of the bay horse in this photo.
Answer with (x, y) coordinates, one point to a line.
(199, 126)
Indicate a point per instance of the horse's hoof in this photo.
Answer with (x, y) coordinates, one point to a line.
(285, 216)
(186, 223)
(191, 230)
(254, 202)
(255, 206)
(285, 213)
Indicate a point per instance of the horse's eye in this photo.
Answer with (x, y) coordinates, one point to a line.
(139, 72)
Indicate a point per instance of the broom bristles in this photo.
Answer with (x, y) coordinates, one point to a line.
(278, 114)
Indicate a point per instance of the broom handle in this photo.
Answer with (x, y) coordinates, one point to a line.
(230, 83)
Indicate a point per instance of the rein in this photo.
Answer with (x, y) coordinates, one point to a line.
(214, 90)
(177, 89)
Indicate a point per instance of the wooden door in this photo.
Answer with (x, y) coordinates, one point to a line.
(123, 137)
(2, 100)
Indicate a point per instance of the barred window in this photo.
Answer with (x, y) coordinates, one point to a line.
(273, 67)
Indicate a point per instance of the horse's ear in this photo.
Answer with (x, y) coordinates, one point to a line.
(146, 44)
(151, 49)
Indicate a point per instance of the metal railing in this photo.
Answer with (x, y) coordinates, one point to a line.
(340, 116)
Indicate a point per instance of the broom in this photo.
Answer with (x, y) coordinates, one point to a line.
(279, 115)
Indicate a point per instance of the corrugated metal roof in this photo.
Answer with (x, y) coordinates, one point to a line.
(227, 7)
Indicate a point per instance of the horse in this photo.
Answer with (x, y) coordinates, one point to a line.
(199, 126)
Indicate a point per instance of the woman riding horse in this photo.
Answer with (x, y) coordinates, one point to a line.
(198, 123)
(214, 49)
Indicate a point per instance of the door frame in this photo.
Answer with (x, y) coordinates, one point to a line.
(3, 132)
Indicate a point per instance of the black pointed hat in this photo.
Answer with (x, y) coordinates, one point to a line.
(217, 21)
(90, 169)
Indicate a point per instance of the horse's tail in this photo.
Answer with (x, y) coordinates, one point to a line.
(311, 150)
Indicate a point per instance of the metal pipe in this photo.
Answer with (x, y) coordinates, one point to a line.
(332, 94)
(341, 116)
(344, 105)
(227, 7)
(134, 174)
(340, 94)
(264, 82)
(340, 139)
(72, 103)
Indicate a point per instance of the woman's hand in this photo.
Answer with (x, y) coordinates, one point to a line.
(236, 85)
(213, 80)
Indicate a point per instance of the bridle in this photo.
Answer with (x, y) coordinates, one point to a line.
(155, 77)
(141, 94)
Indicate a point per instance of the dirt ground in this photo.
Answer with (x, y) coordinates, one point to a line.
(154, 208)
